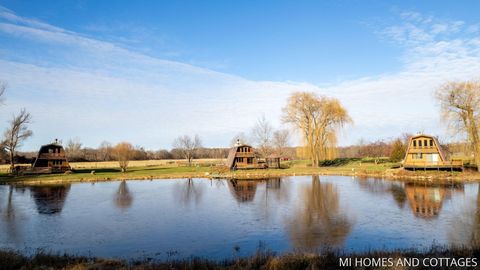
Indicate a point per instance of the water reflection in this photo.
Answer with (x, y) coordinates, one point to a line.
(49, 199)
(243, 190)
(273, 183)
(378, 186)
(465, 230)
(10, 211)
(476, 222)
(301, 213)
(426, 201)
(9, 216)
(123, 198)
(189, 192)
(320, 222)
(277, 189)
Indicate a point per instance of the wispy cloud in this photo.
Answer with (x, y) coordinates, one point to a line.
(96, 90)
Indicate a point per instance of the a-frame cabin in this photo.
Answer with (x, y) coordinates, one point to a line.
(51, 159)
(242, 156)
(424, 152)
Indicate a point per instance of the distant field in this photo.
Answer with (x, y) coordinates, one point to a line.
(135, 163)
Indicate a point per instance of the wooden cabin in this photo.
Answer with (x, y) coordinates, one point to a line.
(51, 158)
(242, 156)
(424, 152)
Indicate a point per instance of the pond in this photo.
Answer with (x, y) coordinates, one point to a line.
(221, 219)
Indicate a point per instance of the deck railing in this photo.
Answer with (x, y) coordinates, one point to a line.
(452, 163)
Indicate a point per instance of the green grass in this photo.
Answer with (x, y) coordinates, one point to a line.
(115, 174)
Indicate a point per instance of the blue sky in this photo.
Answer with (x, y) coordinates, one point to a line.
(149, 71)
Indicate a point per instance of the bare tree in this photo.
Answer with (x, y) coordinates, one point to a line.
(2, 94)
(318, 118)
(16, 134)
(281, 140)
(3, 87)
(105, 151)
(123, 153)
(262, 136)
(460, 105)
(240, 137)
(73, 150)
(187, 146)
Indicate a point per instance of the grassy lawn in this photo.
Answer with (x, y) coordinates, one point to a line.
(114, 173)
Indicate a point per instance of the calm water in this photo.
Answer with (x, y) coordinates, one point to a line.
(222, 218)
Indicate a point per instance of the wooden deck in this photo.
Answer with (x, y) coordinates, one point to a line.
(456, 165)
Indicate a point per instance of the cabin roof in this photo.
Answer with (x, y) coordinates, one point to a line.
(51, 144)
(422, 135)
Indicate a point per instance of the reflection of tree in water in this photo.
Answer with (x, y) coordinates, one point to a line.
(123, 197)
(399, 195)
(378, 186)
(243, 190)
(10, 214)
(466, 226)
(49, 199)
(476, 222)
(278, 189)
(189, 192)
(320, 223)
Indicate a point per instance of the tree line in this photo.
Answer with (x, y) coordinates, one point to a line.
(317, 119)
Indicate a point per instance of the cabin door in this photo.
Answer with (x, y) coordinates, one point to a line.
(435, 158)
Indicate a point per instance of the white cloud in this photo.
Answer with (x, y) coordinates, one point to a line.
(101, 90)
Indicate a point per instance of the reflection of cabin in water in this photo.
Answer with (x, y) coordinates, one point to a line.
(51, 158)
(49, 199)
(273, 183)
(242, 156)
(426, 201)
(424, 152)
(243, 190)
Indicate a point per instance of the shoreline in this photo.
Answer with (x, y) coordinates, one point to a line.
(427, 177)
(458, 258)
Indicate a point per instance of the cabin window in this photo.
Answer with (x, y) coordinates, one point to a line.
(431, 143)
(419, 143)
(50, 150)
(417, 156)
(250, 160)
(414, 143)
(425, 143)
